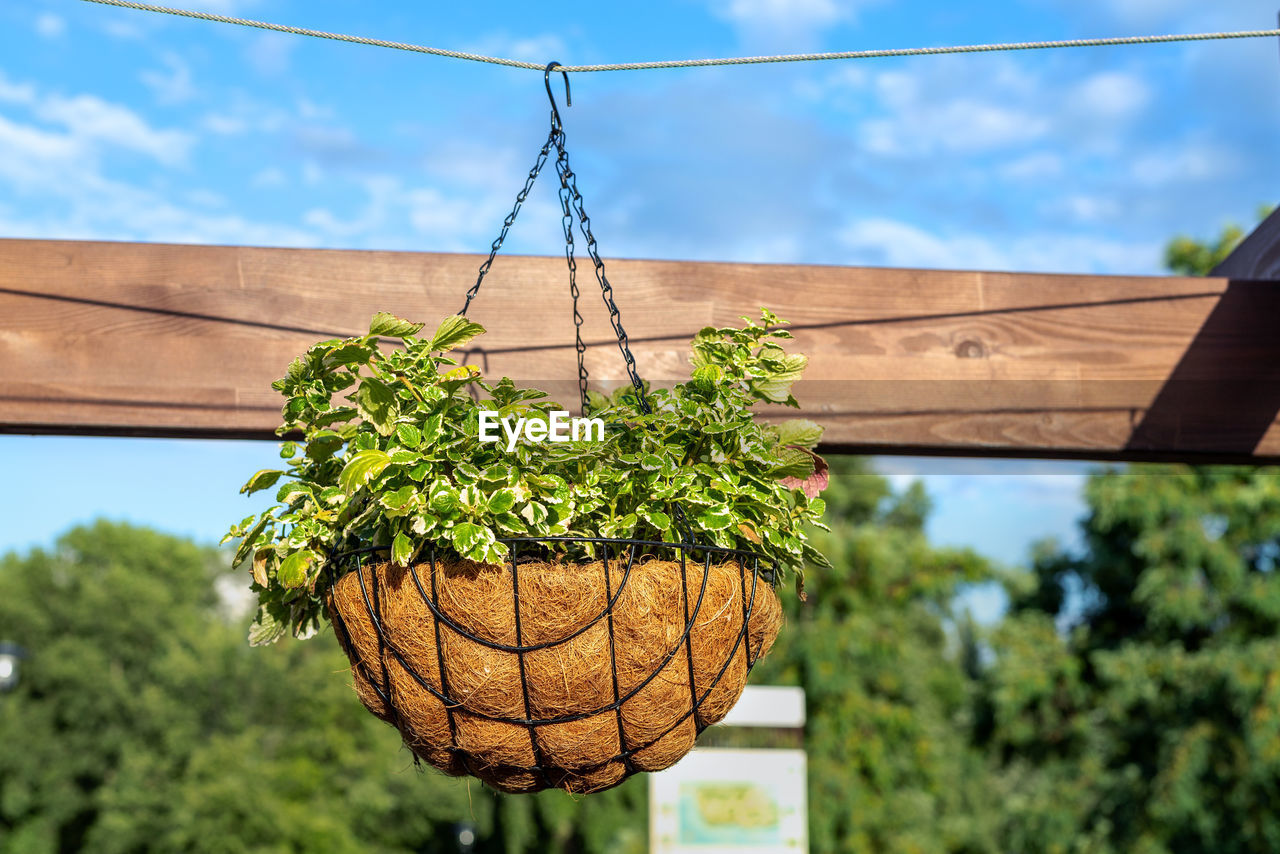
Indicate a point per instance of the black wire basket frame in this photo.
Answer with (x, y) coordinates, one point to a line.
(749, 562)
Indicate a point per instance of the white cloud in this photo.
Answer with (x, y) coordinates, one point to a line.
(886, 242)
(268, 178)
(382, 194)
(1173, 15)
(967, 105)
(123, 30)
(59, 169)
(223, 7)
(224, 125)
(241, 114)
(1042, 164)
(928, 111)
(1112, 95)
(206, 199)
(16, 93)
(540, 48)
(785, 24)
(172, 86)
(312, 111)
(91, 120)
(1193, 163)
(50, 26)
(1084, 208)
(891, 243)
(28, 154)
(269, 54)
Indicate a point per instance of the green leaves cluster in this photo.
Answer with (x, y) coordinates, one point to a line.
(397, 462)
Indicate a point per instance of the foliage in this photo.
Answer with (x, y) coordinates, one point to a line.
(889, 704)
(1188, 256)
(1154, 724)
(143, 723)
(403, 465)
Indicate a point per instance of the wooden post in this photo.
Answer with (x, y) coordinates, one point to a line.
(163, 340)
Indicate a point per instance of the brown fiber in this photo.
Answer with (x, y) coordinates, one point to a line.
(571, 676)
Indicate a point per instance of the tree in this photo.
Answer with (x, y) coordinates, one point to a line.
(144, 722)
(1188, 256)
(875, 648)
(1134, 702)
(1153, 723)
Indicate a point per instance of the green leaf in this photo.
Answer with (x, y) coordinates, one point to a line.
(715, 519)
(472, 541)
(348, 354)
(716, 427)
(389, 326)
(401, 549)
(707, 376)
(454, 332)
(799, 431)
(793, 462)
(657, 518)
(510, 523)
(423, 524)
(376, 403)
(409, 435)
(266, 629)
(264, 479)
(502, 500)
(293, 489)
(534, 513)
(362, 468)
(294, 569)
(776, 387)
(396, 501)
(324, 445)
(250, 539)
(444, 499)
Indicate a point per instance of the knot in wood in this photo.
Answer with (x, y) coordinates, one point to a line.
(970, 349)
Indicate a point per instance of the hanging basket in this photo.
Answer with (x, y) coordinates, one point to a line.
(538, 674)
(580, 660)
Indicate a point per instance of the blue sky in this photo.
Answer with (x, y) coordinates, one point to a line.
(124, 125)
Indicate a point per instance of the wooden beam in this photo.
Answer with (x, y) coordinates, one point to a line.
(1258, 255)
(163, 340)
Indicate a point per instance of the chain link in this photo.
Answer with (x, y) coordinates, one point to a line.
(511, 218)
(569, 184)
(557, 133)
(570, 205)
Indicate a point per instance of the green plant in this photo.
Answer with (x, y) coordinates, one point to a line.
(401, 464)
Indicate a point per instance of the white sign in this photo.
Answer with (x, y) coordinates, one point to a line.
(775, 706)
(730, 802)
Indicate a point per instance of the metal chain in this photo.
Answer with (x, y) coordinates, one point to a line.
(557, 133)
(569, 183)
(511, 218)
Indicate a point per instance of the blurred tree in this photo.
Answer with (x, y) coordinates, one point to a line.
(1187, 256)
(880, 659)
(144, 722)
(1135, 700)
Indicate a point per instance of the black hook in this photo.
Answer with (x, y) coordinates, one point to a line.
(568, 100)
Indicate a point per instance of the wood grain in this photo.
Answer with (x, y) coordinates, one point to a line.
(164, 340)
